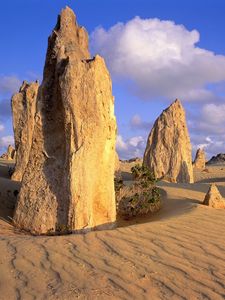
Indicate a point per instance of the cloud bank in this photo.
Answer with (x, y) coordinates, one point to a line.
(160, 58)
(132, 147)
(5, 141)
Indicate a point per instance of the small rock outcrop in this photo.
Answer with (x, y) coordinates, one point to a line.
(23, 112)
(213, 198)
(10, 154)
(199, 162)
(218, 159)
(168, 150)
(68, 184)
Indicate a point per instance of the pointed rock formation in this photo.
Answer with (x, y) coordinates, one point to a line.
(10, 154)
(199, 162)
(69, 180)
(213, 198)
(23, 111)
(168, 150)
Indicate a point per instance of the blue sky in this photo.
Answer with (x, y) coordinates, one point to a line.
(161, 61)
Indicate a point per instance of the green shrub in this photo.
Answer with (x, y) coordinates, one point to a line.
(143, 175)
(141, 197)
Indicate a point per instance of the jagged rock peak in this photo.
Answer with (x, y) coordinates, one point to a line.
(67, 33)
(25, 85)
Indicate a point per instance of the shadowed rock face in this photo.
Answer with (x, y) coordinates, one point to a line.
(218, 159)
(213, 198)
(199, 162)
(168, 150)
(23, 111)
(69, 180)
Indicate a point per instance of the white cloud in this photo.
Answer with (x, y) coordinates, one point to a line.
(207, 129)
(5, 141)
(9, 84)
(160, 58)
(120, 144)
(132, 147)
(215, 114)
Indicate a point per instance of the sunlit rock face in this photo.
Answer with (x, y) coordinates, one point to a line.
(213, 198)
(69, 180)
(199, 162)
(10, 153)
(23, 111)
(168, 150)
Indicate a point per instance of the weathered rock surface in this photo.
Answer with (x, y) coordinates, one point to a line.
(10, 154)
(218, 159)
(199, 162)
(69, 180)
(168, 150)
(213, 198)
(23, 111)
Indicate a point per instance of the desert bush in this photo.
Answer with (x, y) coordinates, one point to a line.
(141, 197)
(143, 175)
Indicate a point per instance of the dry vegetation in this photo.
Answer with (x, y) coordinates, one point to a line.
(140, 197)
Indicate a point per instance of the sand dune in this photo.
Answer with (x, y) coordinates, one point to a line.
(179, 253)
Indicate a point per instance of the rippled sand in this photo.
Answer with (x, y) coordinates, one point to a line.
(179, 253)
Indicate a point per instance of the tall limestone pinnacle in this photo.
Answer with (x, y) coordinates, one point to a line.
(69, 179)
(23, 111)
(168, 150)
(200, 160)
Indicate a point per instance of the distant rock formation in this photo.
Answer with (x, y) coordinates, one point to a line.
(199, 162)
(168, 150)
(218, 159)
(10, 154)
(137, 160)
(23, 112)
(117, 162)
(69, 180)
(213, 198)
